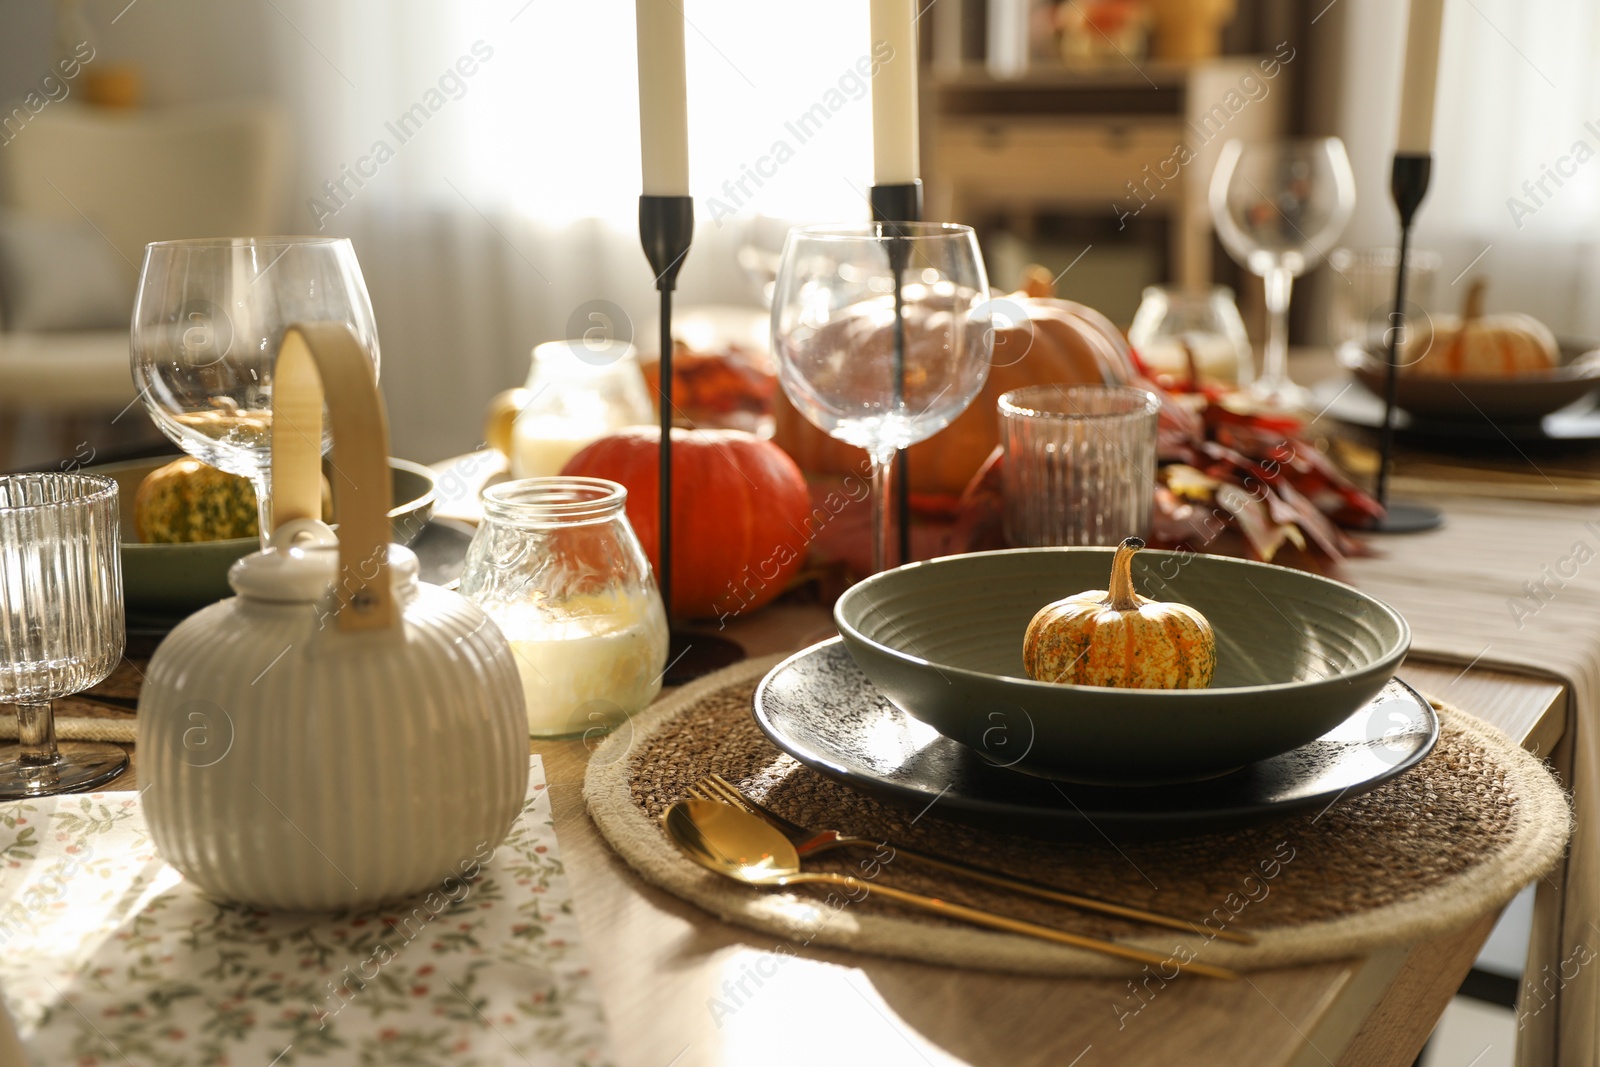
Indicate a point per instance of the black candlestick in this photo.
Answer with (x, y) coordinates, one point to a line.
(1408, 185)
(900, 202)
(666, 229)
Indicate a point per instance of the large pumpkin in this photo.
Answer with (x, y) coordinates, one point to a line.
(740, 510)
(1037, 341)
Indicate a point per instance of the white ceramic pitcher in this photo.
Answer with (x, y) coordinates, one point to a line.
(337, 734)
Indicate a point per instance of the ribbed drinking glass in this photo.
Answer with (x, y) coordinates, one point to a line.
(1080, 464)
(61, 624)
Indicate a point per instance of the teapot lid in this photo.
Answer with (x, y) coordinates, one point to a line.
(301, 565)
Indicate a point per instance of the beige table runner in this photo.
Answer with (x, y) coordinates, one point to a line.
(1516, 585)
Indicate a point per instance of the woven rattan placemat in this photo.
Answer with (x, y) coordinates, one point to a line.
(1453, 838)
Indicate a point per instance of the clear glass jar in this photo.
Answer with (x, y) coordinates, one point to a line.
(579, 391)
(558, 568)
(1362, 311)
(1206, 322)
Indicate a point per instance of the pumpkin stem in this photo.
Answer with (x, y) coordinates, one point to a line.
(1038, 282)
(1122, 596)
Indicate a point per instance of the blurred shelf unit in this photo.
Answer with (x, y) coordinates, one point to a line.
(1115, 146)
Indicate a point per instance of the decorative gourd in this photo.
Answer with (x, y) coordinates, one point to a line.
(187, 500)
(1117, 638)
(741, 513)
(1479, 345)
(1050, 341)
(501, 415)
(190, 501)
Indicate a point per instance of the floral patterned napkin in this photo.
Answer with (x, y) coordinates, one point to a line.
(107, 956)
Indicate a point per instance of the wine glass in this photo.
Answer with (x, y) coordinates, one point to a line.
(1278, 206)
(206, 328)
(61, 623)
(842, 298)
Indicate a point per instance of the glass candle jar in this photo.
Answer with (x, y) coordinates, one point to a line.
(579, 391)
(1174, 324)
(558, 568)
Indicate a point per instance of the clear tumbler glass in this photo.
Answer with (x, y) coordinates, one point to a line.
(1362, 312)
(1080, 464)
(61, 624)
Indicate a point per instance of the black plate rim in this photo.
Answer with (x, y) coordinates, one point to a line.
(1077, 816)
(1527, 431)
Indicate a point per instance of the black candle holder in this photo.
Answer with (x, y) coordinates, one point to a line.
(1408, 185)
(666, 229)
(899, 202)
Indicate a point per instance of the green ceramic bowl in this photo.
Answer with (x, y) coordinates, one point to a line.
(1296, 655)
(160, 581)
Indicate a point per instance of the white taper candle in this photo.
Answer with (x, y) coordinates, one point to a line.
(1421, 78)
(663, 98)
(894, 93)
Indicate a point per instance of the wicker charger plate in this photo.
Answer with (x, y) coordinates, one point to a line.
(1422, 855)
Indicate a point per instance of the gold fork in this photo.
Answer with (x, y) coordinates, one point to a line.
(814, 842)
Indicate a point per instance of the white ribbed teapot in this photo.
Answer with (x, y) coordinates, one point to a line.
(337, 734)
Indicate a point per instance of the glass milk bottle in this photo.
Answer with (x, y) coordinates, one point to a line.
(579, 391)
(557, 567)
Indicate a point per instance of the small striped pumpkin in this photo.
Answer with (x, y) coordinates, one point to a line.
(1120, 639)
(190, 501)
(1479, 346)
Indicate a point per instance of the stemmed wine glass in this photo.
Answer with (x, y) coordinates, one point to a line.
(206, 328)
(1278, 206)
(61, 623)
(834, 330)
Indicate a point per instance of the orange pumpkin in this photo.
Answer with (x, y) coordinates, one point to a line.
(740, 510)
(1045, 341)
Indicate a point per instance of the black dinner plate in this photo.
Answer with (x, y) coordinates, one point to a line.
(1345, 398)
(821, 709)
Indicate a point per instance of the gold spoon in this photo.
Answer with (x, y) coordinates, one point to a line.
(738, 845)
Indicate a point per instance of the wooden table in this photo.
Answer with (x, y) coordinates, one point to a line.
(660, 962)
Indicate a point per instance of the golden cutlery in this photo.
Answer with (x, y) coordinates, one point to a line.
(815, 842)
(738, 845)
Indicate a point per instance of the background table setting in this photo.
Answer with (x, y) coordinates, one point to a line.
(934, 672)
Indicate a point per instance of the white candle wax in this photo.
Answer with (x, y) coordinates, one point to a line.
(894, 93)
(1421, 77)
(541, 445)
(1215, 357)
(588, 669)
(663, 98)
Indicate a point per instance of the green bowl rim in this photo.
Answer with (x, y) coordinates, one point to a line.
(430, 496)
(1389, 659)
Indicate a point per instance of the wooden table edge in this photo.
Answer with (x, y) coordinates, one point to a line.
(1396, 996)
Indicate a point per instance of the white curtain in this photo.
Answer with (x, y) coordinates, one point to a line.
(484, 157)
(1519, 99)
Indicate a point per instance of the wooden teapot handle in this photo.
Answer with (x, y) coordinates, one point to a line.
(322, 362)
